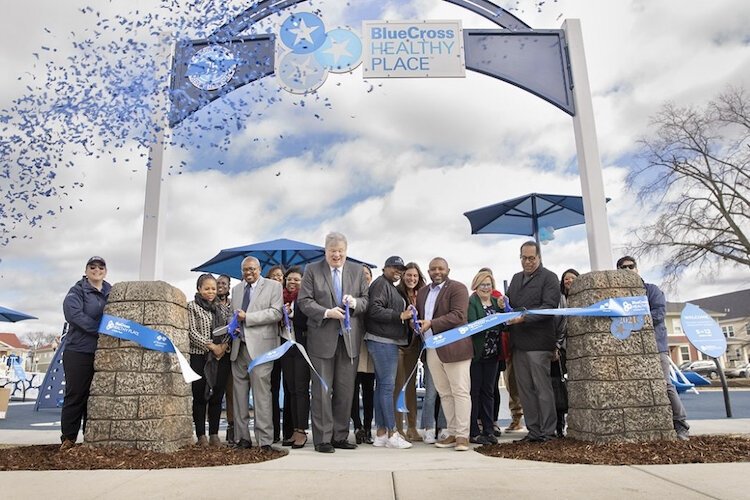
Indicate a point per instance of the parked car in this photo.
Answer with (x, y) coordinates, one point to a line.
(705, 368)
(742, 370)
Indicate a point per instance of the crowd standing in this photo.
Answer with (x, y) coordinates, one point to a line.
(363, 338)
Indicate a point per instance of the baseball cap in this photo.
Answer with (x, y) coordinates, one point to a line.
(98, 259)
(395, 261)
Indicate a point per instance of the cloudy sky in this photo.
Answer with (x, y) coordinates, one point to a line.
(391, 164)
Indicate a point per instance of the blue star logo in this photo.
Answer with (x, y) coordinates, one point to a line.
(300, 73)
(341, 52)
(303, 33)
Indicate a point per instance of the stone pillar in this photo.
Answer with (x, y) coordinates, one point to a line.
(616, 387)
(138, 396)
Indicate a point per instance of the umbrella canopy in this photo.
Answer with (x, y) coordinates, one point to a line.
(283, 252)
(526, 214)
(9, 315)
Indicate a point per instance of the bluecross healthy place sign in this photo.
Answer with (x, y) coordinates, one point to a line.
(413, 49)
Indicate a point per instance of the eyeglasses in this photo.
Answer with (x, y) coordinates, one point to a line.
(485, 285)
(627, 266)
(530, 258)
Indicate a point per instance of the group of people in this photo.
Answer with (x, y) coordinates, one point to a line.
(363, 334)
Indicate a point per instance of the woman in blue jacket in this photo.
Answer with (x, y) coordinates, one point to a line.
(83, 308)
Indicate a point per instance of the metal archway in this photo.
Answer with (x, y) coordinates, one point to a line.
(550, 64)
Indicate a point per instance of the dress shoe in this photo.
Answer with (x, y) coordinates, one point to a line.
(300, 439)
(243, 444)
(528, 439)
(267, 447)
(324, 448)
(360, 435)
(344, 445)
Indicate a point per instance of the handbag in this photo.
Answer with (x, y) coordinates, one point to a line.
(560, 390)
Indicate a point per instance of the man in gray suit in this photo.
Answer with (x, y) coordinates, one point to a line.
(326, 287)
(258, 302)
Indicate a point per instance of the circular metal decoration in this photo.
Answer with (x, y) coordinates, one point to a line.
(300, 73)
(211, 67)
(303, 32)
(341, 52)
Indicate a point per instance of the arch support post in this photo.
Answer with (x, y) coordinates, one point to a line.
(587, 148)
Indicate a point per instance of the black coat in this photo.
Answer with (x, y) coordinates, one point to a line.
(383, 318)
(541, 291)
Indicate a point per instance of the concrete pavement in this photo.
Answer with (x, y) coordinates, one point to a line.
(423, 473)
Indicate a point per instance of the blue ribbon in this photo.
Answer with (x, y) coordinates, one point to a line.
(278, 352)
(415, 320)
(145, 337)
(287, 325)
(347, 318)
(401, 402)
(233, 326)
(614, 307)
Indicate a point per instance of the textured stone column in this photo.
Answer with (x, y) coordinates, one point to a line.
(138, 396)
(616, 387)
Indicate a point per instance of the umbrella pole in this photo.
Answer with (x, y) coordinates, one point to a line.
(535, 225)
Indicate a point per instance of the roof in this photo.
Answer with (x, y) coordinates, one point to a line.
(677, 307)
(12, 340)
(734, 304)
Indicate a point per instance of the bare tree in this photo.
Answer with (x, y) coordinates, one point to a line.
(38, 339)
(695, 175)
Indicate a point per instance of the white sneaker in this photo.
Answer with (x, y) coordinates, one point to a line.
(429, 436)
(380, 441)
(443, 434)
(398, 441)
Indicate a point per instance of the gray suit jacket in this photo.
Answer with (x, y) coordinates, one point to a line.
(316, 295)
(261, 318)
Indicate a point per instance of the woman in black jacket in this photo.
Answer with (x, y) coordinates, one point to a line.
(83, 307)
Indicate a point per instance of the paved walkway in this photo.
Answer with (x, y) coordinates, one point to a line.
(421, 473)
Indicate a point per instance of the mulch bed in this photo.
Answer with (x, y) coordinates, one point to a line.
(700, 449)
(49, 457)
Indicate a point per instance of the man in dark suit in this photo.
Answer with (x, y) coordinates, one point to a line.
(327, 286)
(258, 302)
(532, 340)
(443, 305)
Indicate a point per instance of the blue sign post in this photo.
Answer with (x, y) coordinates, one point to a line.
(705, 334)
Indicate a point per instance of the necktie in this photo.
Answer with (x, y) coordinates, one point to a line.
(337, 285)
(245, 305)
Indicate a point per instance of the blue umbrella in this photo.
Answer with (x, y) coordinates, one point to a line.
(526, 214)
(283, 252)
(12, 316)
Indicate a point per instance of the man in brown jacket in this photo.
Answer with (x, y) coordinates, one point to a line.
(443, 305)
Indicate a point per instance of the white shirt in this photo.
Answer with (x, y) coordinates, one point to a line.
(429, 305)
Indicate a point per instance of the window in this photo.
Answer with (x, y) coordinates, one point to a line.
(676, 327)
(684, 353)
(728, 331)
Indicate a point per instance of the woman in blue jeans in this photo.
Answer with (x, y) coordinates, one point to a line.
(385, 326)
